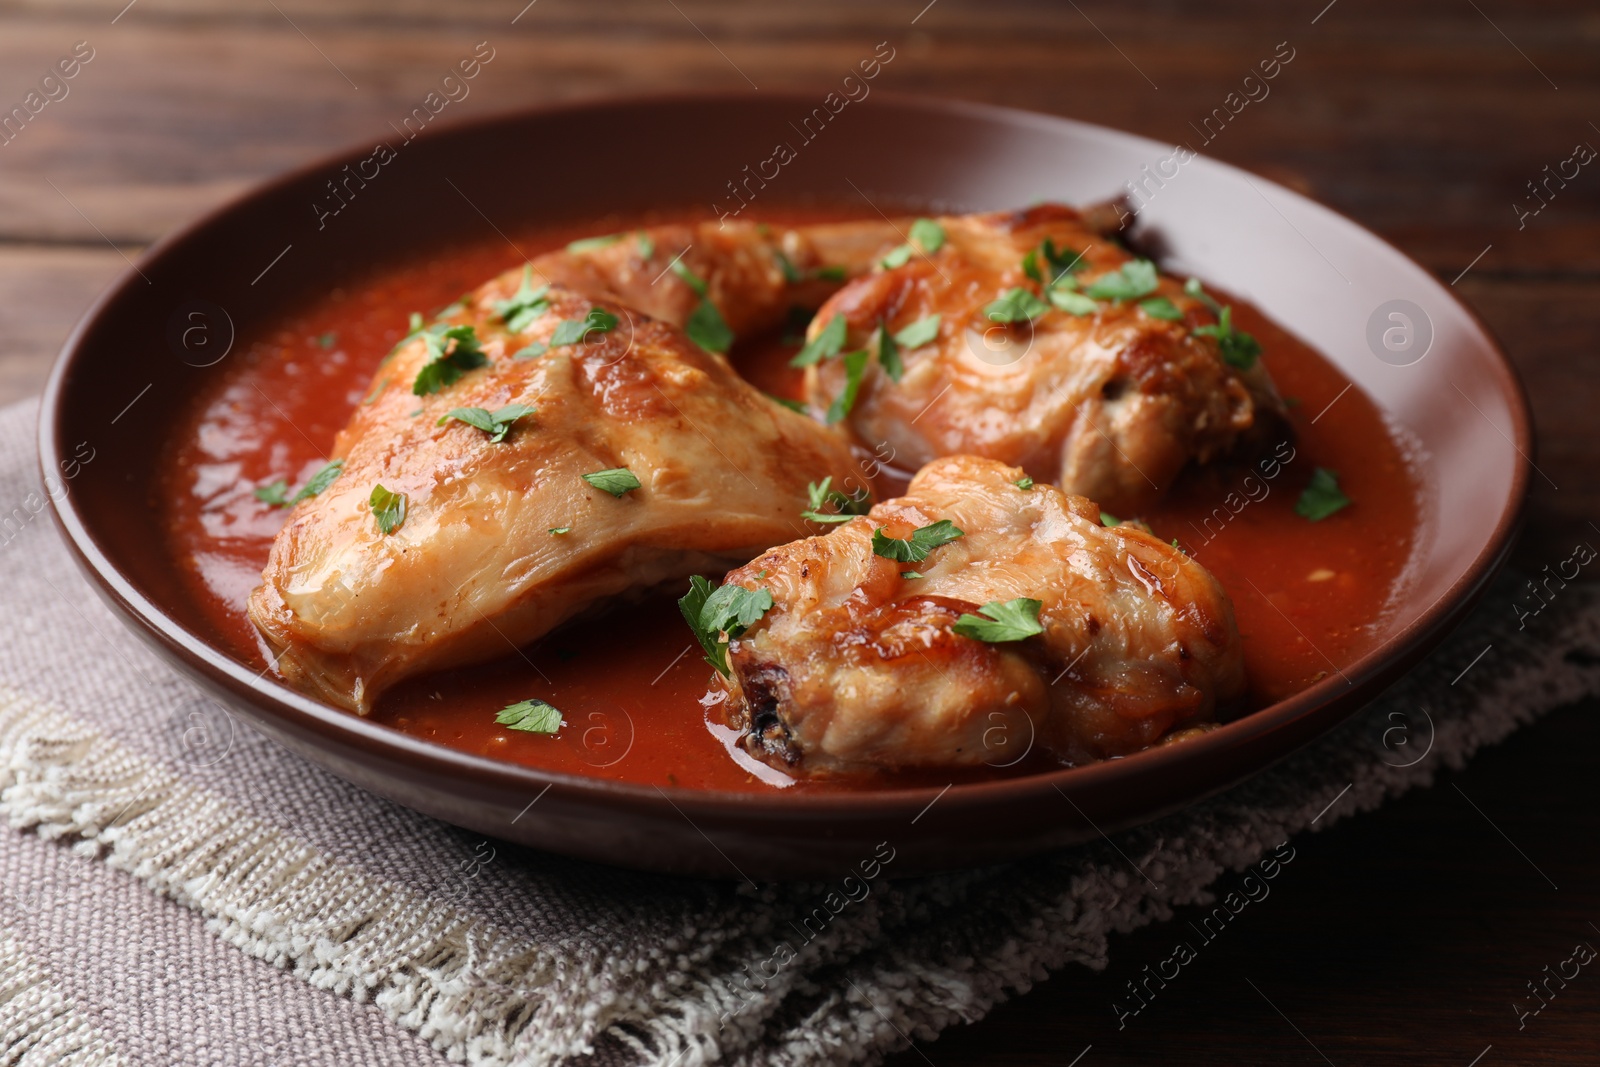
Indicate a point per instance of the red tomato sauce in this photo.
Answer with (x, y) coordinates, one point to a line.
(1310, 597)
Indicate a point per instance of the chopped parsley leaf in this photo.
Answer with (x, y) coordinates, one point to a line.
(560, 529)
(707, 328)
(997, 622)
(897, 257)
(791, 273)
(530, 716)
(928, 234)
(1063, 297)
(855, 364)
(616, 480)
(453, 351)
(525, 305)
(1322, 496)
(1059, 262)
(328, 340)
(589, 244)
(647, 246)
(889, 353)
(1015, 305)
(911, 575)
(572, 331)
(712, 612)
(690, 278)
(925, 234)
(1238, 349)
(1024, 483)
(274, 493)
(388, 508)
(847, 505)
(917, 547)
(1108, 519)
(825, 345)
(918, 333)
(1132, 280)
(830, 274)
(494, 423)
(1196, 290)
(533, 351)
(319, 481)
(1159, 307)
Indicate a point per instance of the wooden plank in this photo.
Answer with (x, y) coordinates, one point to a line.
(43, 293)
(1356, 120)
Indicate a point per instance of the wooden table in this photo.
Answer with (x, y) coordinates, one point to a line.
(1401, 937)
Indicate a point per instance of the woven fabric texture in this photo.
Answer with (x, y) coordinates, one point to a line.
(179, 889)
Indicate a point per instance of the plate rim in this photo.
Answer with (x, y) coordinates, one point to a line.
(270, 698)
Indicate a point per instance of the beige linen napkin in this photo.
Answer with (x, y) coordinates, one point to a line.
(153, 835)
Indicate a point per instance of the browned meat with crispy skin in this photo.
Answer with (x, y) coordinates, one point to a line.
(857, 665)
(1106, 400)
(501, 540)
(753, 272)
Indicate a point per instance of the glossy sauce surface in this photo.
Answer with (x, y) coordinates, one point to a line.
(1310, 597)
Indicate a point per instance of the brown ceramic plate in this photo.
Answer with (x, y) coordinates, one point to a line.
(128, 369)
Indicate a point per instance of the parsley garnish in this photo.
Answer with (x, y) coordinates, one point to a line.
(929, 234)
(847, 505)
(710, 613)
(918, 333)
(328, 340)
(494, 423)
(525, 305)
(1063, 295)
(572, 331)
(706, 326)
(791, 273)
(647, 246)
(388, 508)
(897, 257)
(1238, 349)
(1132, 280)
(826, 344)
(830, 274)
(1015, 305)
(533, 351)
(911, 575)
(1108, 519)
(1059, 262)
(1322, 496)
(616, 481)
(276, 493)
(921, 542)
(1196, 290)
(589, 244)
(560, 529)
(1159, 307)
(452, 351)
(530, 716)
(889, 353)
(1009, 621)
(855, 364)
(690, 278)
(1024, 483)
(926, 234)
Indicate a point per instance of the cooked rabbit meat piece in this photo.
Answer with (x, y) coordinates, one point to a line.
(1109, 404)
(753, 273)
(857, 665)
(502, 540)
